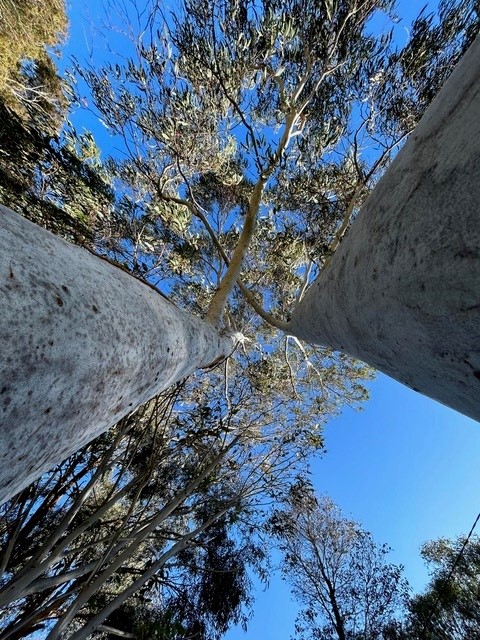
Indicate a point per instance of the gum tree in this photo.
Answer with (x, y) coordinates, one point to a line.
(402, 291)
(139, 508)
(340, 577)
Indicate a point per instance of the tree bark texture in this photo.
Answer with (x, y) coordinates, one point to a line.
(402, 292)
(82, 344)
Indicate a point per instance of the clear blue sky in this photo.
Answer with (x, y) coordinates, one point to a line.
(406, 467)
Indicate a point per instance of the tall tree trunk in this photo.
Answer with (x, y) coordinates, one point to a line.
(82, 344)
(402, 292)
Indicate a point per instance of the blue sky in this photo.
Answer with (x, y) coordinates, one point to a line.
(405, 467)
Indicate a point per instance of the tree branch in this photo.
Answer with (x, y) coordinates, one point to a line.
(85, 632)
(219, 300)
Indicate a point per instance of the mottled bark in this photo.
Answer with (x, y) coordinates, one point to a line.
(82, 343)
(402, 292)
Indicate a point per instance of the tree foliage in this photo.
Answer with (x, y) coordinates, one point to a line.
(57, 181)
(29, 82)
(254, 131)
(449, 608)
(339, 575)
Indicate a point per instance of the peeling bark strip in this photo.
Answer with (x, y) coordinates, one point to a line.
(402, 292)
(82, 344)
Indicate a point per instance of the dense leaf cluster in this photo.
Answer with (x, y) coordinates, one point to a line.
(55, 181)
(29, 83)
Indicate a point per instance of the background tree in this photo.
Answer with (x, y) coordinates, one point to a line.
(55, 549)
(56, 180)
(49, 173)
(449, 609)
(339, 576)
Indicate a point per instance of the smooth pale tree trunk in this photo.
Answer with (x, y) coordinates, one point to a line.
(82, 344)
(402, 292)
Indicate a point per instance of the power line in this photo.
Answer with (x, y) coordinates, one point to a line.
(428, 621)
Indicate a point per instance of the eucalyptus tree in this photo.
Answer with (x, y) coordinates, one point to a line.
(141, 505)
(254, 133)
(402, 291)
(449, 606)
(338, 574)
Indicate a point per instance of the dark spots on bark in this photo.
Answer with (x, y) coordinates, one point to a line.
(59, 301)
(130, 404)
(168, 349)
(65, 288)
(51, 343)
(413, 307)
(477, 374)
(6, 401)
(100, 386)
(47, 410)
(415, 389)
(467, 253)
(3, 389)
(94, 308)
(355, 262)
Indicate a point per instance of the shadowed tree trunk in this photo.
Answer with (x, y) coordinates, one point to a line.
(402, 292)
(82, 344)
